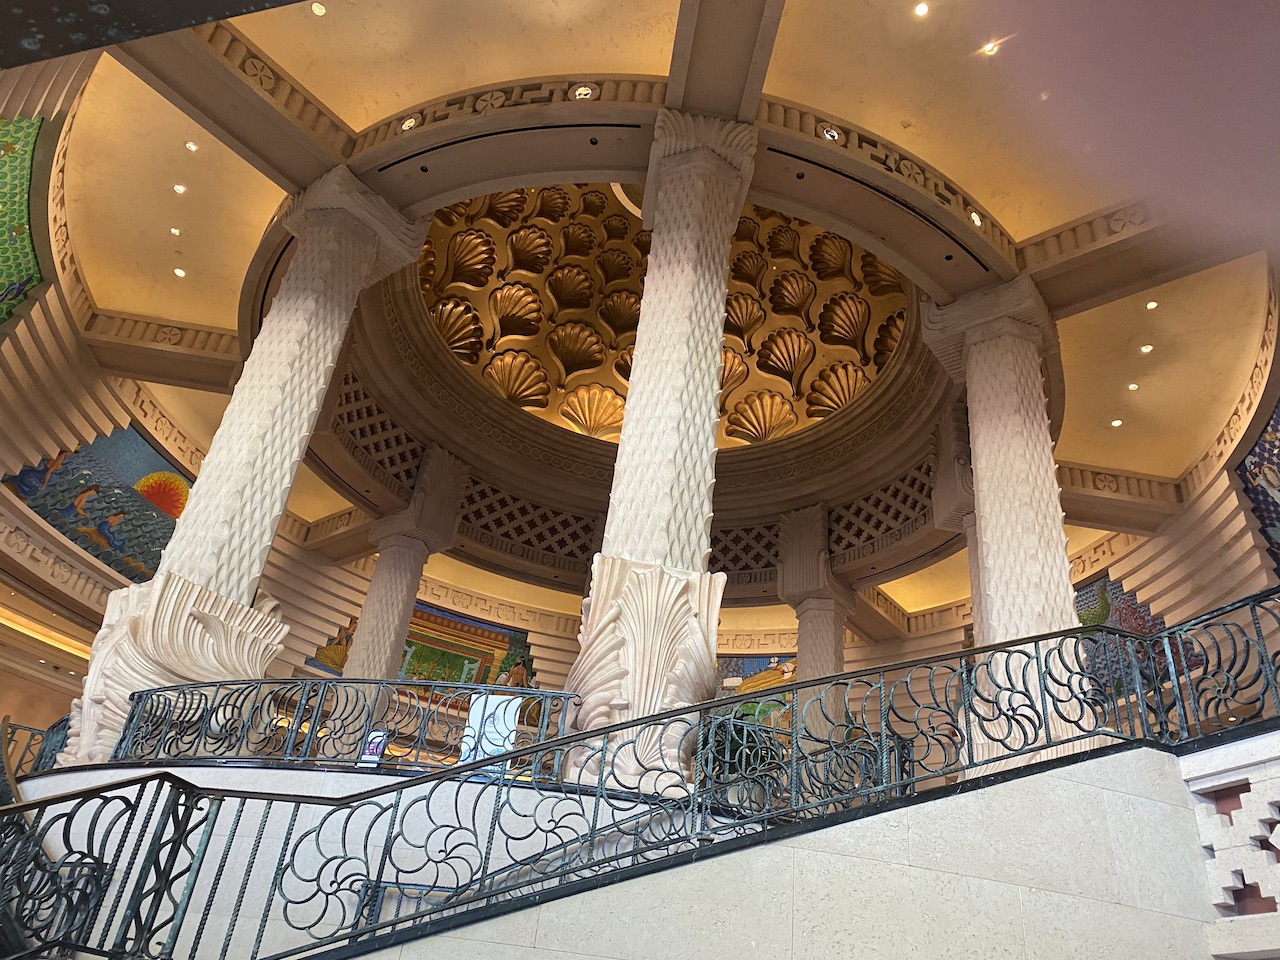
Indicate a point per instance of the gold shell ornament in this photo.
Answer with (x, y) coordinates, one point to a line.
(743, 316)
(469, 260)
(616, 227)
(748, 232)
(504, 208)
(517, 376)
(787, 354)
(528, 250)
(616, 266)
(835, 388)
(571, 288)
(791, 294)
(642, 241)
(832, 258)
(888, 337)
(750, 268)
(784, 244)
(578, 240)
(760, 416)
(576, 348)
(882, 279)
(459, 324)
(622, 363)
(516, 310)
(551, 205)
(621, 313)
(733, 374)
(426, 266)
(594, 410)
(593, 204)
(453, 212)
(843, 323)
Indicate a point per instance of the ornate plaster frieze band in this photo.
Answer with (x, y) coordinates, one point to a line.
(890, 162)
(1097, 557)
(753, 643)
(165, 351)
(148, 414)
(61, 252)
(1089, 236)
(1116, 501)
(887, 608)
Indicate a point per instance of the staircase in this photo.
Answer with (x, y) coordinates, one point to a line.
(157, 867)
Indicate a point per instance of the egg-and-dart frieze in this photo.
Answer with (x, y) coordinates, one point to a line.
(537, 293)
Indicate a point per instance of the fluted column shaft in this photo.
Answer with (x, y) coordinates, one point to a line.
(378, 645)
(820, 637)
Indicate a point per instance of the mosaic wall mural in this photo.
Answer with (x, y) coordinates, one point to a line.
(1106, 603)
(1260, 474)
(19, 270)
(117, 498)
(736, 675)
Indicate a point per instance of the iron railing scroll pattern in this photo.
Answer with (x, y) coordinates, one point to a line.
(169, 869)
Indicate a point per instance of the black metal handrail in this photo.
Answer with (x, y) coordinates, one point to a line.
(411, 725)
(29, 749)
(157, 867)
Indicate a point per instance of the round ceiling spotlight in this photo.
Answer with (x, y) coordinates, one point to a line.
(409, 123)
(1117, 423)
(1133, 386)
(1152, 304)
(922, 10)
(586, 91)
(319, 9)
(191, 145)
(990, 48)
(831, 133)
(175, 231)
(179, 272)
(179, 188)
(1146, 348)
(975, 217)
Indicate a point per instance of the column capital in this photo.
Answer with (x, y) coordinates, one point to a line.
(679, 133)
(339, 198)
(953, 469)
(1011, 309)
(432, 516)
(804, 568)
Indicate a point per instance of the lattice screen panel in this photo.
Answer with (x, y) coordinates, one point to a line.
(743, 549)
(879, 513)
(529, 524)
(373, 431)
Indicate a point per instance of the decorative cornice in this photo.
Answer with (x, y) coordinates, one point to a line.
(1046, 253)
(1014, 308)
(166, 351)
(744, 643)
(148, 414)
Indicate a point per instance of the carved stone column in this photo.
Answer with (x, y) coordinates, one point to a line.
(193, 621)
(953, 501)
(649, 621)
(821, 602)
(405, 540)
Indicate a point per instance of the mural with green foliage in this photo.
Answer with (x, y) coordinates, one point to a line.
(19, 269)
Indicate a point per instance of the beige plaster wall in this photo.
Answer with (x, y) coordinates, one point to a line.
(31, 704)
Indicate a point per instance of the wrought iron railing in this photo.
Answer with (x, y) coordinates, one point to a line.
(158, 867)
(29, 749)
(392, 725)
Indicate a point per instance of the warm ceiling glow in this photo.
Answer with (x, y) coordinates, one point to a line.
(179, 272)
(1147, 348)
(318, 9)
(1133, 386)
(179, 188)
(175, 231)
(1116, 423)
(977, 220)
(190, 145)
(922, 9)
(1151, 304)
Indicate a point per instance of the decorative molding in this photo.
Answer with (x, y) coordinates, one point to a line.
(1097, 557)
(386, 453)
(1045, 253)
(150, 416)
(165, 351)
(738, 550)
(751, 642)
(886, 607)
(516, 527)
(898, 509)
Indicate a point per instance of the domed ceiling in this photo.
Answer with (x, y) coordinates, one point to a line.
(536, 293)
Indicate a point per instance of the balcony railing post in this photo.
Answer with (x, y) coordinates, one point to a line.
(1267, 664)
(1175, 683)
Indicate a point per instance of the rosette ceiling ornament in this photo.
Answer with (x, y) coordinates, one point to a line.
(537, 293)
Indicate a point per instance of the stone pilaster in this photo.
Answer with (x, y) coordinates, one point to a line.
(405, 540)
(193, 622)
(649, 621)
(821, 602)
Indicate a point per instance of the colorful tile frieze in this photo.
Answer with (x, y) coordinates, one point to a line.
(19, 269)
(117, 498)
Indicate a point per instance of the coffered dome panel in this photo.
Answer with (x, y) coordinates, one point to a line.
(537, 293)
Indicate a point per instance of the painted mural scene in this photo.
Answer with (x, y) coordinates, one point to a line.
(643, 480)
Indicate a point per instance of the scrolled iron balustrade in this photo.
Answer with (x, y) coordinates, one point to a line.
(159, 868)
(396, 725)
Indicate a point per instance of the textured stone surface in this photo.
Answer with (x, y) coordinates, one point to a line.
(378, 645)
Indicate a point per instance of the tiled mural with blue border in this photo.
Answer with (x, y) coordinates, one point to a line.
(19, 269)
(1260, 474)
(117, 498)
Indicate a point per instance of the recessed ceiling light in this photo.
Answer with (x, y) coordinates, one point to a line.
(318, 9)
(1116, 423)
(1146, 348)
(179, 272)
(72, 672)
(1151, 304)
(583, 92)
(990, 48)
(179, 188)
(191, 145)
(830, 132)
(922, 9)
(977, 220)
(175, 231)
(1133, 386)
(41, 661)
(409, 123)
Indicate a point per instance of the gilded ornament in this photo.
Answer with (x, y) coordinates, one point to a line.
(516, 310)
(882, 279)
(426, 266)
(784, 244)
(454, 212)
(888, 337)
(767, 213)
(843, 323)
(504, 208)
(791, 294)
(760, 416)
(528, 250)
(832, 258)
(593, 204)
(594, 410)
(616, 266)
(571, 288)
(750, 268)
(551, 205)
(470, 260)
(616, 227)
(622, 363)
(517, 376)
(621, 313)
(743, 316)
(641, 242)
(835, 388)
(578, 240)
(576, 348)
(748, 232)
(787, 353)
(733, 374)
(459, 324)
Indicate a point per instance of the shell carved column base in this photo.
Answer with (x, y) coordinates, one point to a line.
(169, 631)
(648, 645)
